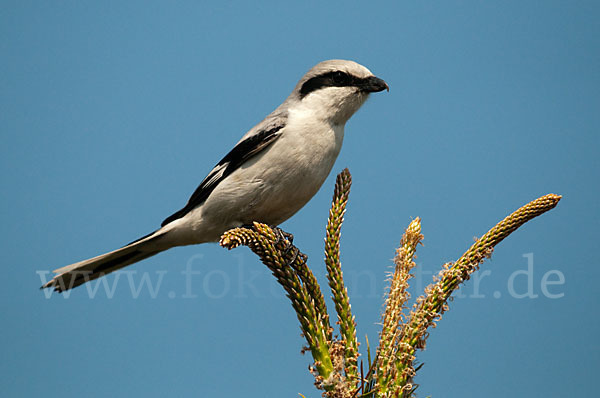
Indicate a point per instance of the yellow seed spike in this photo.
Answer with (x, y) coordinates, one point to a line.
(395, 302)
(428, 308)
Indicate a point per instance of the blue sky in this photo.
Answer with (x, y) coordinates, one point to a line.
(112, 112)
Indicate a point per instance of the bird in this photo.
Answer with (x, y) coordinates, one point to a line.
(268, 176)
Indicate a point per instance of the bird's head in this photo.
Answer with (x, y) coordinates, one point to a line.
(335, 89)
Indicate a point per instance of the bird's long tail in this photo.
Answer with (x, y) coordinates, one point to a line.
(81, 272)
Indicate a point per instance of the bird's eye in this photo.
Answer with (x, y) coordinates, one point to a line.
(340, 78)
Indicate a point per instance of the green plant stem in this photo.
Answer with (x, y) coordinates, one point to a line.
(334, 275)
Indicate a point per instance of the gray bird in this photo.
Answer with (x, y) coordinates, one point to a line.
(270, 174)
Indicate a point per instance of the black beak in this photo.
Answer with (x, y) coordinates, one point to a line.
(374, 84)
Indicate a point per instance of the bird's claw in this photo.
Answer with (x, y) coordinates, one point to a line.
(281, 234)
(287, 239)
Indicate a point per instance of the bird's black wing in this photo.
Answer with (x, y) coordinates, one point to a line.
(243, 151)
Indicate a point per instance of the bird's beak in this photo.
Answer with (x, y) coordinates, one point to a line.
(374, 84)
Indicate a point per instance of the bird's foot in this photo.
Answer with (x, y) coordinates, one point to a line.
(287, 239)
(295, 253)
(281, 234)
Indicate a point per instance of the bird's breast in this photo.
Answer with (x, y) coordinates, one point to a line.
(276, 183)
(298, 164)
